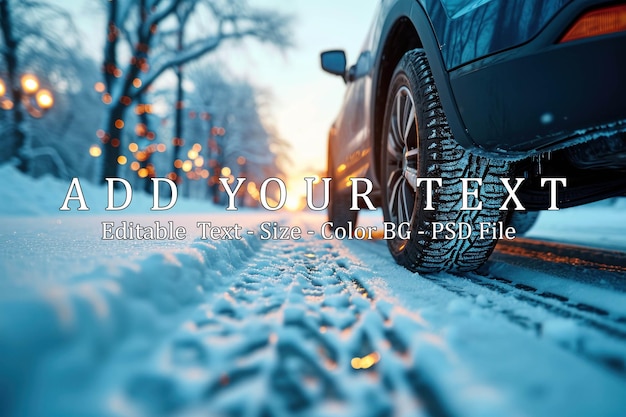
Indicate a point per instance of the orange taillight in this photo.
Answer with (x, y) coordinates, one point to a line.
(597, 22)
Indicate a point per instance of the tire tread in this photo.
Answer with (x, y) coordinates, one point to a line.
(444, 158)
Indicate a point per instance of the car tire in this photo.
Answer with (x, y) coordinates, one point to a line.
(339, 213)
(417, 143)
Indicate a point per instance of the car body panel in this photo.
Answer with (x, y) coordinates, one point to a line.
(563, 96)
(353, 123)
(471, 30)
(498, 115)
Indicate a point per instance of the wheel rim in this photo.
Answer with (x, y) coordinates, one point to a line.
(402, 158)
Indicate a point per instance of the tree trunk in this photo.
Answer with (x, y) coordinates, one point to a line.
(111, 148)
(148, 185)
(178, 118)
(178, 123)
(109, 153)
(13, 88)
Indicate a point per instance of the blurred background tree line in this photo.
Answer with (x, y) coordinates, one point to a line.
(152, 103)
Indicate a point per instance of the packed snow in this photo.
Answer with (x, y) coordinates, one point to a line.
(308, 327)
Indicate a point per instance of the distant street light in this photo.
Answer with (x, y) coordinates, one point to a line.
(30, 84)
(44, 99)
(36, 100)
(5, 103)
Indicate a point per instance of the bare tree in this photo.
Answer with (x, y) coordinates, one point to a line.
(235, 139)
(138, 21)
(23, 43)
(183, 14)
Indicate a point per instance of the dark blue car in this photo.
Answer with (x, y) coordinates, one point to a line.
(470, 116)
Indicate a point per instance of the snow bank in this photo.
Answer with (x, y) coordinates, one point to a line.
(55, 336)
(601, 224)
(22, 195)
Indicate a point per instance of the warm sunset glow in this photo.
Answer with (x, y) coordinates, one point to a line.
(293, 203)
(253, 191)
(295, 195)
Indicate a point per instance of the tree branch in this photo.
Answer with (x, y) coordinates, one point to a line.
(159, 15)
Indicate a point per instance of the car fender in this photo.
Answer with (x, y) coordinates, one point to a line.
(396, 17)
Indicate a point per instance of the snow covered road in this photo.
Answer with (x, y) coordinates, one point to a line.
(307, 327)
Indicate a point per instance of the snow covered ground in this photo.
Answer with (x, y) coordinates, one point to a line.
(310, 327)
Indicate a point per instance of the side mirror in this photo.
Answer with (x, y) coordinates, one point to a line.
(334, 62)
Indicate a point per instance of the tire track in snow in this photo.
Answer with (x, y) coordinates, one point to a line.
(606, 262)
(577, 327)
(592, 316)
(566, 334)
(297, 333)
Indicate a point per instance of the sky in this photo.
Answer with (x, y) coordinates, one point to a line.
(306, 99)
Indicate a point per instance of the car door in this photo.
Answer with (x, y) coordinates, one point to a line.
(349, 144)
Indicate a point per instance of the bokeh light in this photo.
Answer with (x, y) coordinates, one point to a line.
(95, 151)
(30, 83)
(44, 99)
